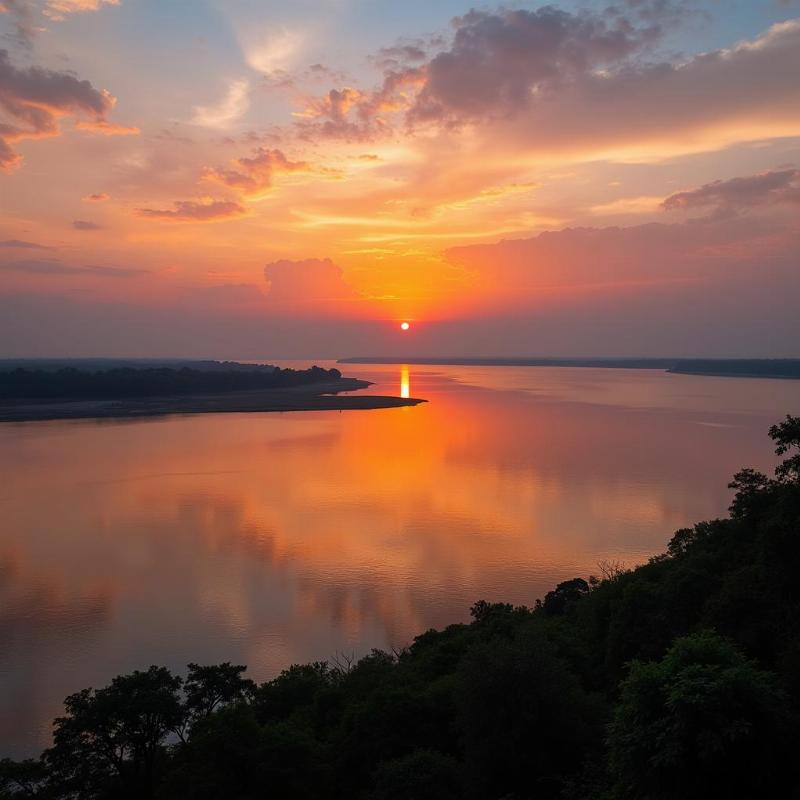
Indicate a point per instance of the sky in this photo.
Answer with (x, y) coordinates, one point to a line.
(258, 179)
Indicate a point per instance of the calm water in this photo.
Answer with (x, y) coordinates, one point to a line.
(269, 539)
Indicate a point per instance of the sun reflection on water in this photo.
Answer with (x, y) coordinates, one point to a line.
(405, 381)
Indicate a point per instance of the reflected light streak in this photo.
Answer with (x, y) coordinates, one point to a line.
(405, 381)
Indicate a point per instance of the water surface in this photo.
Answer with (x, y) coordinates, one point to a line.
(269, 539)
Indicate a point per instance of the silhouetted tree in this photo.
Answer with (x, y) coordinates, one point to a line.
(525, 719)
(786, 436)
(702, 722)
(421, 775)
(564, 596)
(23, 779)
(208, 688)
(110, 739)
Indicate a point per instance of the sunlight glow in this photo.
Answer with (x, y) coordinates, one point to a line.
(405, 381)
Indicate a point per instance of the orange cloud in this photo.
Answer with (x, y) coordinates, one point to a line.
(311, 282)
(195, 211)
(35, 98)
(106, 128)
(251, 176)
(59, 9)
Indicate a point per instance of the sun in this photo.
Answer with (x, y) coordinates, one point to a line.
(404, 326)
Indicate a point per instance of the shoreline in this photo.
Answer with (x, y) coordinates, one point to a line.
(313, 397)
(787, 368)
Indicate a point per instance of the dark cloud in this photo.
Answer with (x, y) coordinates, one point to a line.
(501, 62)
(23, 245)
(34, 98)
(99, 197)
(407, 52)
(53, 267)
(737, 194)
(85, 225)
(195, 211)
(255, 174)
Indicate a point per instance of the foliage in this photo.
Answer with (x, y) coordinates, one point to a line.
(70, 383)
(701, 722)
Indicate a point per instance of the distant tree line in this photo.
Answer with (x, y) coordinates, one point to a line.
(126, 382)
(740, 367)
(678, 680)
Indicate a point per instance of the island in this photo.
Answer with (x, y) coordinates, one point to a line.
(54, 390)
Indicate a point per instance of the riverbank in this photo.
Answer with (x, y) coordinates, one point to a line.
(782, 368)
(326, 396)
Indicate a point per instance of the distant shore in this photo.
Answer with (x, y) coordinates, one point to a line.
(775, 368)
(312, 397)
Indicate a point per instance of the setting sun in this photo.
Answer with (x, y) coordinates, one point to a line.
(404, 326)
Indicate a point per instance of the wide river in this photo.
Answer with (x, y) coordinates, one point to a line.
(270, 539)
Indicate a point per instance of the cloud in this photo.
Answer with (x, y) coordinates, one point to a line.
(99, 197)
(60, 9)
(206, 210)
(499, 63)
(724, 287)
(53, 267)
(780, 187)
(253, 175)
(20, 12)
(653, 254)
(312, 281)
(496, 64)
(551, 84)
(229, 110)
(85, 225)
(105, 128)
(22, 15)
(663, 109)
(406, 52)
(34, 99)
(358, 116)
(275, 50)
(23, 245)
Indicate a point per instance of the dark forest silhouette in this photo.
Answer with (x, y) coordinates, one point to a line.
(677, 680)
(70, 383)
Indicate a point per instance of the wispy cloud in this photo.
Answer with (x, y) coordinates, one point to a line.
(277, 49)
(20, 244)
(229, 110)
(195, 211)
(53, 267)
(60, 9)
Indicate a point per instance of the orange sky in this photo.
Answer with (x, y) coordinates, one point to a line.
(259, 182)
